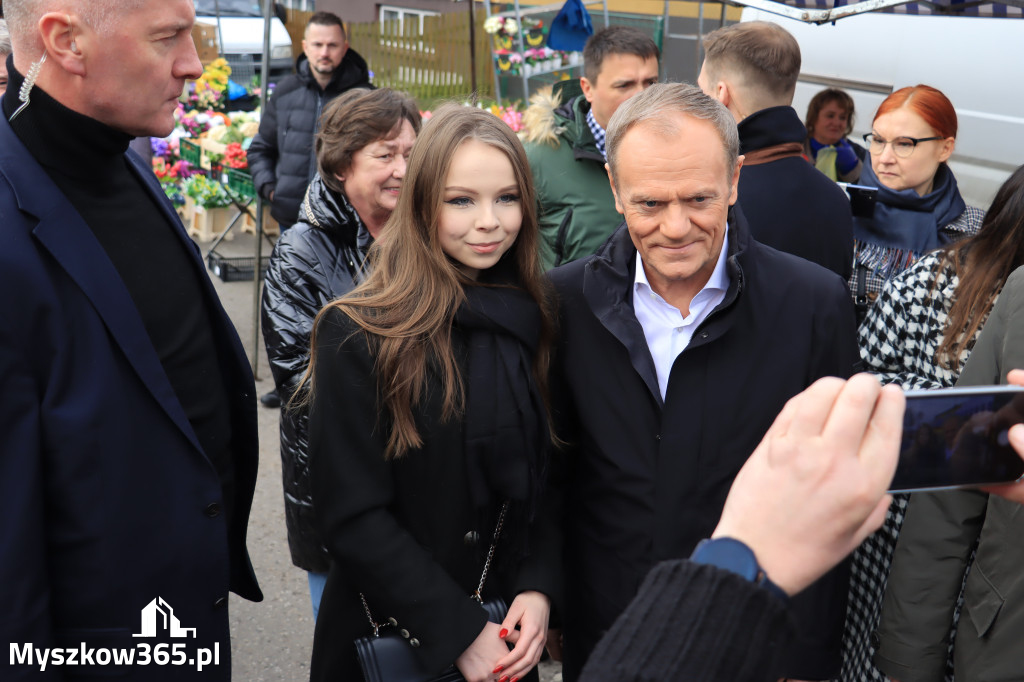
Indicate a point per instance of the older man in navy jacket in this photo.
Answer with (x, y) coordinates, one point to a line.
(128, 452)
(681, 340)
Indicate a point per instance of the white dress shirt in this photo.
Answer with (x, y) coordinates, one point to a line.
(667, 332)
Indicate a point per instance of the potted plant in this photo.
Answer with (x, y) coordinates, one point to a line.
(206, 206)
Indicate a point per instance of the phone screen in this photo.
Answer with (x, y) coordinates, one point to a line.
(958, 437)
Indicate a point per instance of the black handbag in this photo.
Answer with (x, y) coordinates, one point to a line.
(387, 655)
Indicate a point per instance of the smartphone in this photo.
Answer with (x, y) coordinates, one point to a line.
(959, 438)
(862, 199)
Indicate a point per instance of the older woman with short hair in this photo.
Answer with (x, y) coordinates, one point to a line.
(829, 121)
(365, 138)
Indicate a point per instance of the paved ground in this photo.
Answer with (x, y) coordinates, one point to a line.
(272, 640)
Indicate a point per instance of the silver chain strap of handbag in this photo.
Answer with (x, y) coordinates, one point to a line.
(477, 595)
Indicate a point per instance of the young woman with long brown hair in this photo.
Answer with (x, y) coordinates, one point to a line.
(429, 414)
(919, 334)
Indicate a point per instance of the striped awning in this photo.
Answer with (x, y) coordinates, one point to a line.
(821, 11)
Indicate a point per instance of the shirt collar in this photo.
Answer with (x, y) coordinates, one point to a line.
(719, 280)
(596, 130)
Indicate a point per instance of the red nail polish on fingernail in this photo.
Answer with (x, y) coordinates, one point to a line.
(498, 669)
(503, 678)
(503, 633)
(514, 679)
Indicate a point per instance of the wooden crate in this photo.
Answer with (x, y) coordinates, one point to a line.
(211, 147)
(270, 226)
(205, 224)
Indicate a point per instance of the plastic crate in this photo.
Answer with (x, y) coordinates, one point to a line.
(240, 183)
(191, 152)
(237, 269)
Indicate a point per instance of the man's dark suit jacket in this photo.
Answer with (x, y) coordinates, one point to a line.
(646, 477)
(107, 499)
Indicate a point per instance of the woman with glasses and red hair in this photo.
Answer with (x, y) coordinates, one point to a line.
(919, 207)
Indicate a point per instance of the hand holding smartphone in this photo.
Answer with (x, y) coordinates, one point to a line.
(959, 438)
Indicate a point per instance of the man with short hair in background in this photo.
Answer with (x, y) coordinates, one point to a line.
(565, 142)
(281, 156)
(128, 453)
(752, 68)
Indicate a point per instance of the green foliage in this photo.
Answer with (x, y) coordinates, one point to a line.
(205, 192)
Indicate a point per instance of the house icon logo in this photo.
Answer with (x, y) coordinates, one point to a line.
(158, 617)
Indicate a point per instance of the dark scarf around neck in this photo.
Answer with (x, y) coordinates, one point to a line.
(905, 225)
(506, 428)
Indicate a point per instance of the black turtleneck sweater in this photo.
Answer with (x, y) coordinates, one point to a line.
(86, 160)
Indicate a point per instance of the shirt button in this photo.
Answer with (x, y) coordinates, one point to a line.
(212, 510)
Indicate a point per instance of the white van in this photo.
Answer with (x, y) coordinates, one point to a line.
(240, 35)
(977, 62)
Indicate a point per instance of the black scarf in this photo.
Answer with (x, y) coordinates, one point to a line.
(506, 429)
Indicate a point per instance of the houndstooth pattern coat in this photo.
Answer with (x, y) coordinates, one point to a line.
(898, 340)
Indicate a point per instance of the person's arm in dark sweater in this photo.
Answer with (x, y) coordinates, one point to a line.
(693, 622)
(834, 447)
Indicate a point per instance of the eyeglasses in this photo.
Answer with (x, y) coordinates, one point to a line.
(901, 146)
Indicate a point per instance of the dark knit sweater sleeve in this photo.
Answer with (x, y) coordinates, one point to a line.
(693, 622)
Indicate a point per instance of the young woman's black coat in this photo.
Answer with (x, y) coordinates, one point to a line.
(400, 531)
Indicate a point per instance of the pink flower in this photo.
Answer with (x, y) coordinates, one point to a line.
(513, 118)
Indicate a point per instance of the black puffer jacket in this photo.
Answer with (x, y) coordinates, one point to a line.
(281, 155)
(319, 259)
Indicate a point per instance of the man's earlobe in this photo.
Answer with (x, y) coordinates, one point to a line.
(586, 87)
(735, 193)
(57, 32)
(722, 93)
(615, 194)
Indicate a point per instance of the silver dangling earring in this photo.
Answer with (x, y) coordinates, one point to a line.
(26, 87)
